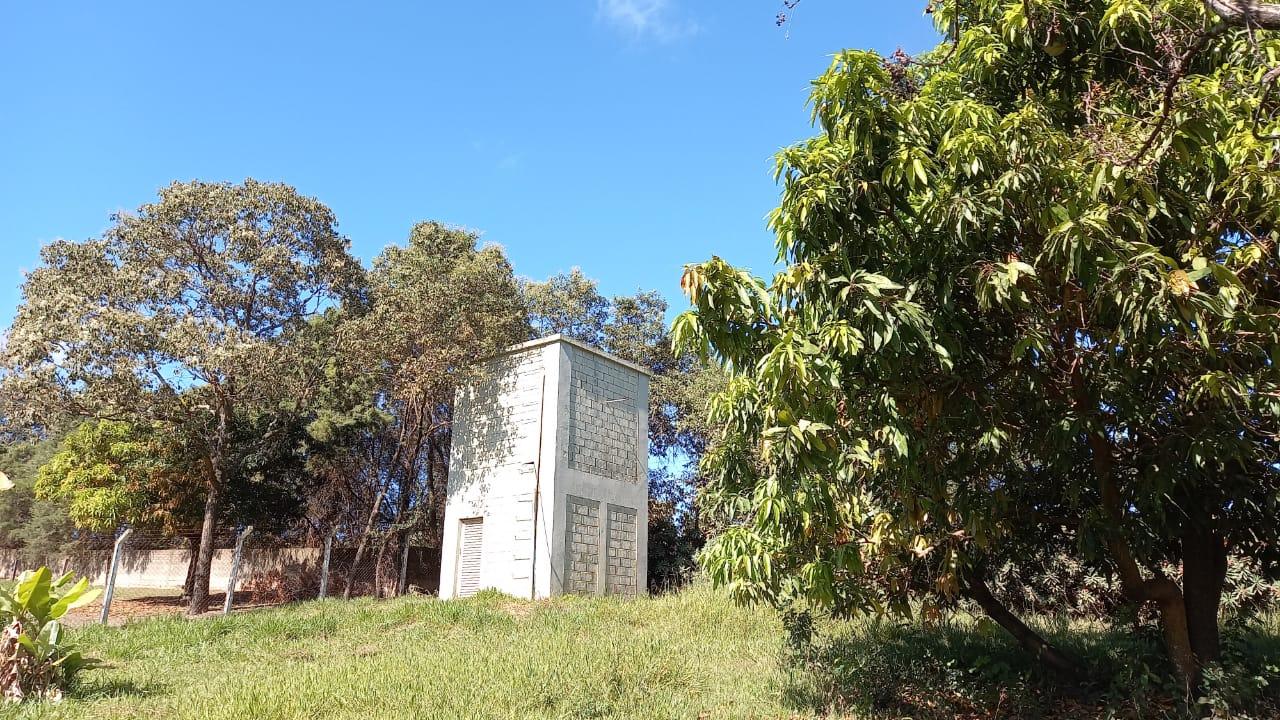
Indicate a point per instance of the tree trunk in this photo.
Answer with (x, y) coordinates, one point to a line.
(377, 568)
(364, 540)
(438, 487)
(402, 537)
(1247, 13)
(1062, 665)
(190, 580)
(216, 474)
(1160, 590)
(1177, 638)
(204, 556)
(1204, 571)
(402, 512)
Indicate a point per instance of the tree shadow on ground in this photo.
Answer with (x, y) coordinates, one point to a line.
(966, 669)
(102, 689)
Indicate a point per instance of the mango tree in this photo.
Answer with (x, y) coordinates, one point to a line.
(1029, 296)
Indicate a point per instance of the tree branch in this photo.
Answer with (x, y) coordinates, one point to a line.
(1179, 72)
(1247, 13)
(975, 588)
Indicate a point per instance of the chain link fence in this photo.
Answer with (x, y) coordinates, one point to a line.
(145, 573)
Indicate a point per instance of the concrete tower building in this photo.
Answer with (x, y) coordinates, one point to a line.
(548, 477)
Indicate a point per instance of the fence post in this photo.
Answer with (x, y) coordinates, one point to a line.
(235, 570)
(110, 590)
(324, 566)
(404, 568)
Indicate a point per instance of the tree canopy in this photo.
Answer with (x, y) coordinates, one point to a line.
(1029, 298)
(36, 528)
(179, 314)
(111, 473)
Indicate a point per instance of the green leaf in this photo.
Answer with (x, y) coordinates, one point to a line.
(33, 592)
(78, 596)
(920, 174)
(29, 645)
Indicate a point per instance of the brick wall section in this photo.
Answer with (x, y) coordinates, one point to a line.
(620, 578)
(582, 546)
(602, 420)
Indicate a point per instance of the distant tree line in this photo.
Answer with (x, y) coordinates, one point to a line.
(220, 358)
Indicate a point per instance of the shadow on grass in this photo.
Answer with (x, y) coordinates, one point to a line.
(93, 689)
(883, 669)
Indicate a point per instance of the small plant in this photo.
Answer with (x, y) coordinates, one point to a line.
(36, 661)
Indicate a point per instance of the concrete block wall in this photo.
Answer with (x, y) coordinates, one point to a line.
(602, 424)
(604, 435)
(582, 557)
(620, 578)
(554, 435)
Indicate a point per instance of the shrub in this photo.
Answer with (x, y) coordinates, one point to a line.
(36, 661)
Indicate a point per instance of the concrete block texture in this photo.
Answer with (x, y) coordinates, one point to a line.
(550, 448)
(582, 556)
(620, 575)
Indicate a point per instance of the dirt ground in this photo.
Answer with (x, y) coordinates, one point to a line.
(137, 603)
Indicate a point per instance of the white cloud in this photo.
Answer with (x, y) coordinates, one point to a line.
(657, 19)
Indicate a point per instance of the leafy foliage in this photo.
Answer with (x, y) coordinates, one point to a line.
(111, 473)
(182, 315)
(434, 307)
(36, 661)
(1028, 301)
(36, 529)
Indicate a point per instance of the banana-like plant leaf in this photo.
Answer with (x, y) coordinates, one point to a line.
(34, 607)
(78, 596)
(33, 591)
(29, 645)
(50, 634)
(73, 662)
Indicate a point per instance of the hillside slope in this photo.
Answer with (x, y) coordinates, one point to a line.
(685, 656)
(688, 655)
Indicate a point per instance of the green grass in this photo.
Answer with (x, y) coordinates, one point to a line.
(689, 655)
(487, 657)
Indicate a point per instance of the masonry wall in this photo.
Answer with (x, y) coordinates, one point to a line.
(167, 568)
(582, 545)
(558, 421)
(622, 551)
(603, 436)
(602, 420)
(493, 470)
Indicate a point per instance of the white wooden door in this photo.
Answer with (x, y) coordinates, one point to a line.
(470, 548)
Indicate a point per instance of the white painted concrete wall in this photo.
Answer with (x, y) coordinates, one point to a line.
(526, 429)
(494, 467)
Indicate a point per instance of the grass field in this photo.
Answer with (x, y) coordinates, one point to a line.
(689, 655)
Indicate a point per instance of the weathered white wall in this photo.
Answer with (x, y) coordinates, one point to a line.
(493, 469)
(559, 411)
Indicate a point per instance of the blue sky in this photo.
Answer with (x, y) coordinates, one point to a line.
(625, 137)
